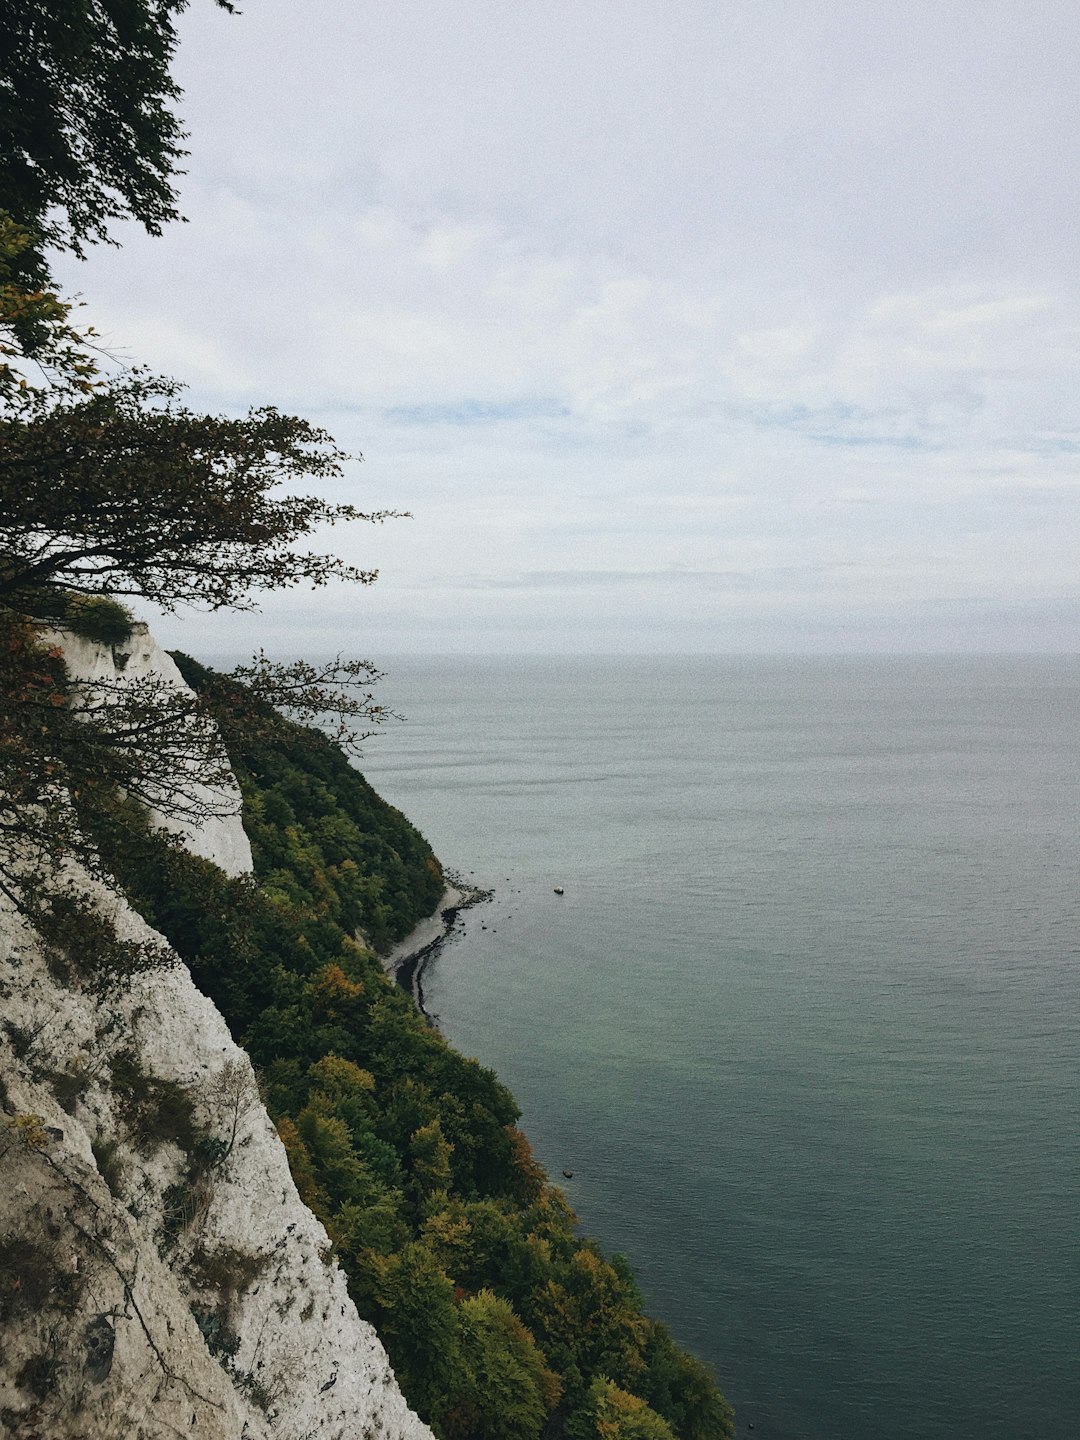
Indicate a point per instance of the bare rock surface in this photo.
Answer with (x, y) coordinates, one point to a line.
(219, 837)
(426, 932)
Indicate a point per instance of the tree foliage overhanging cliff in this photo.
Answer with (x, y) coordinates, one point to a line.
(88, 133)
(126, 491)
(104, 492)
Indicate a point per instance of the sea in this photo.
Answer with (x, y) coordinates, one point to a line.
(804, 1024)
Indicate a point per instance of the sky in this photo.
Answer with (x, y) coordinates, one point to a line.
(677, 325)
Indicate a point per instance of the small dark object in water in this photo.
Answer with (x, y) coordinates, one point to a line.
(559, 890)
(568, 1174)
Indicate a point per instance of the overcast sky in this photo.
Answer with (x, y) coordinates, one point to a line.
(692, 325)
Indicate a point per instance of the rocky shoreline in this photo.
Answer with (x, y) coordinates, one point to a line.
(408, 959)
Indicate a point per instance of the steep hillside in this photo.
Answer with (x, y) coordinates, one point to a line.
(320, 835)
(159, 1274)
(499, 1320)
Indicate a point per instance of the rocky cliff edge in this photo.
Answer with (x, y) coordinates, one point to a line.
(159, 1275)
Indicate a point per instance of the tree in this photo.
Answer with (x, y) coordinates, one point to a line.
(589, 1317)
(68, 755)
(115, 486)
(420, 1326)
(87, 136)
(681, 1389)
(128, 492)
(87, 130)
(35, 325)
(613, 1414)
(510, 1387)
(119, 488)
(430, 1153)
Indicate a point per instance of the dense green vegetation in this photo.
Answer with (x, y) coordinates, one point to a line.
(501, 1323)
(320, 835)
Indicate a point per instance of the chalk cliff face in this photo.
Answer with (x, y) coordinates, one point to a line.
(159, 1275)
(219, 838)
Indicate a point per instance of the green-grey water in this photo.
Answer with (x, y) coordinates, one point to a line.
(804, 1025)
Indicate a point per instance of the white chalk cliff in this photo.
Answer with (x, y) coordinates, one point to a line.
(218, 837)
(148, 1289)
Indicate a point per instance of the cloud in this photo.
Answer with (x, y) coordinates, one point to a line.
(755, 580)
(477, 412)
(770, 294)
(896, 442)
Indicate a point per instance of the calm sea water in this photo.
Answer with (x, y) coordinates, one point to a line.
(805, 1023)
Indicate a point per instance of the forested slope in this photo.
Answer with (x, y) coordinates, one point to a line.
(499, 1320)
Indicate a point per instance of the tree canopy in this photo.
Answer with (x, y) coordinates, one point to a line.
(88, 134)
(500, 1321)
(112, 486)
(37, 336)
(128, 492)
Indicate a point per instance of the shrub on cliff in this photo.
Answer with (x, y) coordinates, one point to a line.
(92, 617)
